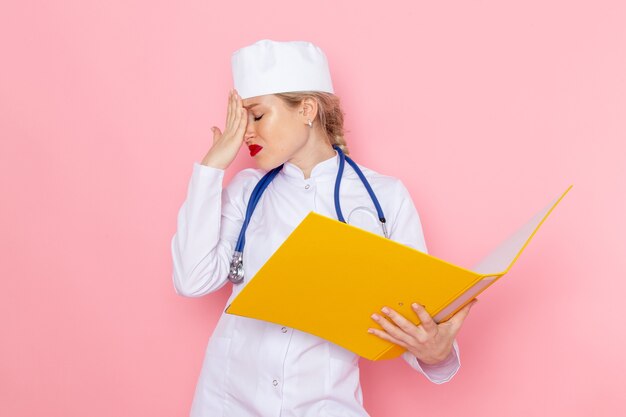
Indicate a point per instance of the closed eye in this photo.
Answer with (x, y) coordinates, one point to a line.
(258, 118)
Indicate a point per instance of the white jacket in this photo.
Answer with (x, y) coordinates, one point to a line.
(257, 368)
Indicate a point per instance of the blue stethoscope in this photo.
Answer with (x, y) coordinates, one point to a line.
(235, 274)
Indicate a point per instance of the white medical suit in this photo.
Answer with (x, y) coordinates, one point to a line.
(257, 368)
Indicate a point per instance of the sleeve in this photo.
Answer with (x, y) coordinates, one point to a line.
(208, 226)
(407, 229)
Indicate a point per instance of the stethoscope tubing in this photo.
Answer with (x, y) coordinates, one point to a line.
(254, 200)
(236, 266)
(364, 180)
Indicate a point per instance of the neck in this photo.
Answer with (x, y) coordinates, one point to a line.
(312, 154)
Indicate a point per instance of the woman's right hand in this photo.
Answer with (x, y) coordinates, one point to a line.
(227, 144)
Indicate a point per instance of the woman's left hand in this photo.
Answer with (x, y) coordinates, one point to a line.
(430, 342)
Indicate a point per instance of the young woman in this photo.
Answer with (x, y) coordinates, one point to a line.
(283, 109)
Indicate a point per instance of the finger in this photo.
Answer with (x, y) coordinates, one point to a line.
(426, 321)
(243, 123)
(229, 110)
(392, 329)
(386, 336)
(217, 134)
(457, 320)
(236, 112)
(400, 320)
(237, 106)
(242, 109)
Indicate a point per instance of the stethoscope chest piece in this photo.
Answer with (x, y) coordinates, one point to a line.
(235, 275)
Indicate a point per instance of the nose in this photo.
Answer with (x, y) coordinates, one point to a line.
(250, 133)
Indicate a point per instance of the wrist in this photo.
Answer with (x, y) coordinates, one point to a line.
(211, 162)
(434, 360)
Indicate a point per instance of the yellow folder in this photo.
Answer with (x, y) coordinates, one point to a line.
(328, 277)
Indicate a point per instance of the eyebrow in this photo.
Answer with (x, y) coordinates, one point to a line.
(251, 106)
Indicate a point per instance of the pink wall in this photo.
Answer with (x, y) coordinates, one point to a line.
(485, 109)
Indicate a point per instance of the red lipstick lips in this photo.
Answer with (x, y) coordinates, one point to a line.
(254, 149)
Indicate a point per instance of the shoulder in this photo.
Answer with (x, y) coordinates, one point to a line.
(246, 177)
(403, 220)
(243, 182)
(385, 183)
(391, 192)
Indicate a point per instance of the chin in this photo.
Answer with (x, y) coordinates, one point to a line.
(267, 165)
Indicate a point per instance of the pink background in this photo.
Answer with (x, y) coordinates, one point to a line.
(485, 109)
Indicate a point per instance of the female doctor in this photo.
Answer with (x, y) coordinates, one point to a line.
(285, 113)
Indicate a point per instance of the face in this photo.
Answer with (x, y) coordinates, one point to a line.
(274, 133)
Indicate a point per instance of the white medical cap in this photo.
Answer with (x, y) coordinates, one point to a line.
(269, 67)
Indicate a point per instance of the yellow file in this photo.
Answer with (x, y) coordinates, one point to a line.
(356, 272)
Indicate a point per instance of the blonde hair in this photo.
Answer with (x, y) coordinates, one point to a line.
(328, 110)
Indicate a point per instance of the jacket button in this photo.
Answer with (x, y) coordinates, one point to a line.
(274, 382)
(284, 330)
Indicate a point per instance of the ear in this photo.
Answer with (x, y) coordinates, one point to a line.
(308, 109)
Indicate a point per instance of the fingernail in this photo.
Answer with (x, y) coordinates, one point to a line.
(415, 305)
(375, 316)
(370, 331)
(385, 310)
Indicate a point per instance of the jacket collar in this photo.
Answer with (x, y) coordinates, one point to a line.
(324, 170)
